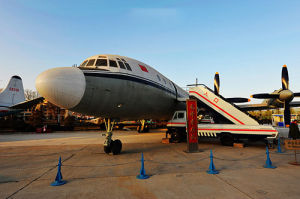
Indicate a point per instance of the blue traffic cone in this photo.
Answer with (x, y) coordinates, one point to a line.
(58, 180)
(142, 174)
(212, 169)
(268, 161)
(279, 147)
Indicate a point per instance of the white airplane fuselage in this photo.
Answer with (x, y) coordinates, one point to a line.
(112, 86)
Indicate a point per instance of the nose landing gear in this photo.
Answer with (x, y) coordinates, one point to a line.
(114, 146)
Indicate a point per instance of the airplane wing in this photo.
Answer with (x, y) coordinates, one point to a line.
(27, 104)
(254, 107)
(263, 106)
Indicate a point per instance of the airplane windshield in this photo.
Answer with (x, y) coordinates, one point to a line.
(113, 63)
(101, 62)
(91, 62)
(84, 63)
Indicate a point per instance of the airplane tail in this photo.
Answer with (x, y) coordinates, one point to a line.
(13, 93)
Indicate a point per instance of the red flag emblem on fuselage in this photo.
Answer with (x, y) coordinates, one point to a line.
(143, 68)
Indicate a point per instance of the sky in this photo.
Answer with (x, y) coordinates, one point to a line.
(247, 42)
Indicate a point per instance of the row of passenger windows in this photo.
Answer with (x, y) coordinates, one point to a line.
(103, 62)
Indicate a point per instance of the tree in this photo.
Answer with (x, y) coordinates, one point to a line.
(30, 94)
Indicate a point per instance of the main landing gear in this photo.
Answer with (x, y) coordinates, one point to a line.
(142, 127)
(114, 146)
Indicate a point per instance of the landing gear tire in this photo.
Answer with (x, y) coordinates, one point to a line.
(107, 149)
(116, 147)
(227, 140)
(175, 136)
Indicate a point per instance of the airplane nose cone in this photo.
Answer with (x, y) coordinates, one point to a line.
(63, 87)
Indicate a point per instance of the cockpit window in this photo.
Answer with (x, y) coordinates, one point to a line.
(128, 66)
(91, 62)
(121, 65)
(113, 63)
(101, 62)
(84, 63)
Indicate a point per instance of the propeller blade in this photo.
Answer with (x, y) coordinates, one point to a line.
(296, 94)
(237, 100)
(265, 96)
(285, 78)
(287, 113)
(217, 84)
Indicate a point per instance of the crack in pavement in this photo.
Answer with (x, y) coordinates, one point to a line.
(233, 186)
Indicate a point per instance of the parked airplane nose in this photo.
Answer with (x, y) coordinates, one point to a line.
(63, 87)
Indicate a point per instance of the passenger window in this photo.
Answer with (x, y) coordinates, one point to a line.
(84, 63)
(113, 63)
(123, 60)
(121, 65)
(158, 77)
(128, 66)
(180, 115)
(101, 62)
(91, 62)
(165, 81)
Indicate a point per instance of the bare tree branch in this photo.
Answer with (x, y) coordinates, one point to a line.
(30, 94)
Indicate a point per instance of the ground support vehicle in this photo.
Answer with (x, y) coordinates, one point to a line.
(230, 124)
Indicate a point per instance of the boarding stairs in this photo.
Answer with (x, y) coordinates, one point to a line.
(220, 105)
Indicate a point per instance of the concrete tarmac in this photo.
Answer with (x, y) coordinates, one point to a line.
(28, 166)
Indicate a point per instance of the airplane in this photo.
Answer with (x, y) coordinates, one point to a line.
(12, 98)
(116, 88)
(113, 87)
(272, 100)
(281, 98)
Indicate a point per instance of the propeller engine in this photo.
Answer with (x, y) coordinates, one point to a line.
(231, 99)
(283, 96)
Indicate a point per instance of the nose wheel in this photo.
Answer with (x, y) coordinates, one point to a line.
(111, 146)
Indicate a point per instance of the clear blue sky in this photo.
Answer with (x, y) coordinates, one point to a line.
(247, 42)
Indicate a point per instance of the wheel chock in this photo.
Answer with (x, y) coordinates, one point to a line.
(268, 161)
(212, 168)
(58, 180)
(142, 174)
